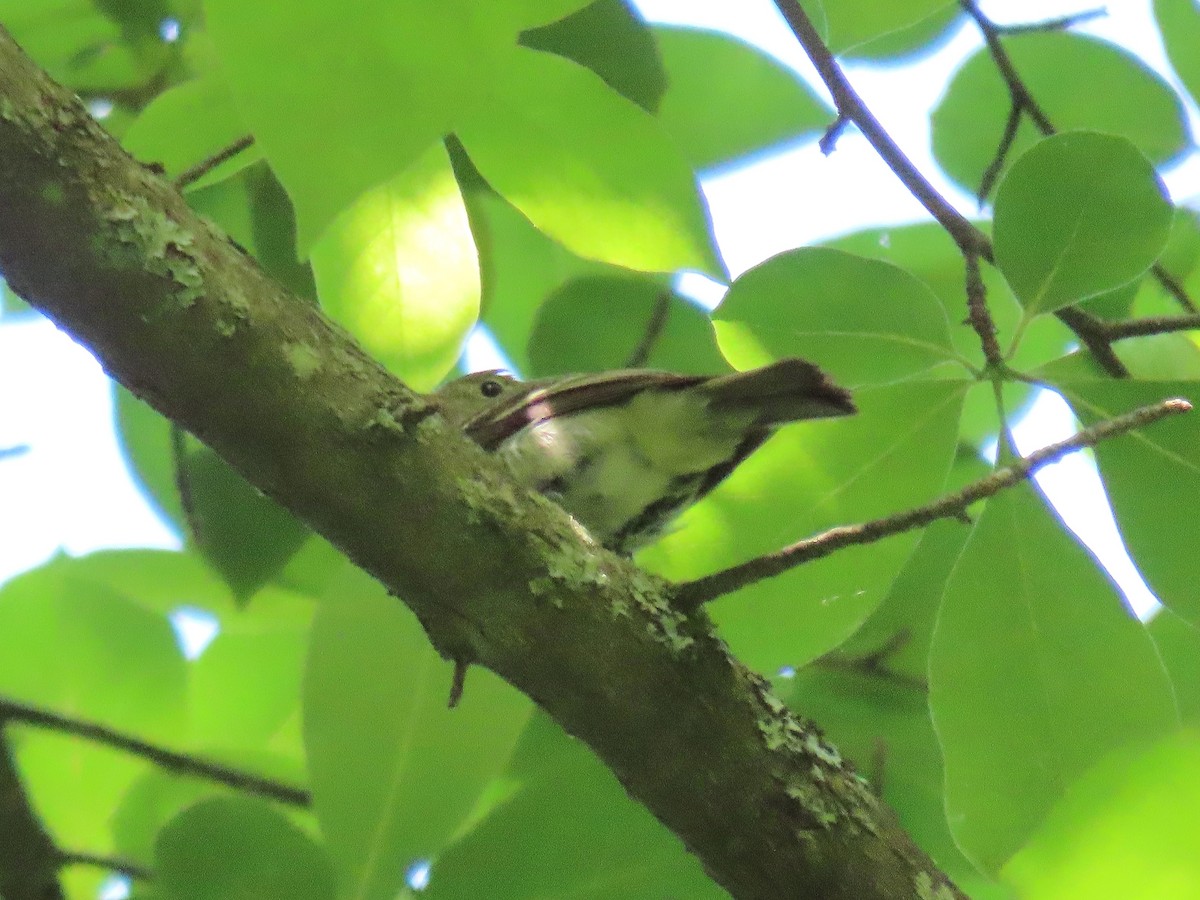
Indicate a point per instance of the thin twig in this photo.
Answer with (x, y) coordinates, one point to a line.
(1116, 331)
(979, 317)
(179, 763)
(202, 168)
(1172, 286)
(850, 106)
(16, 450)
(121, 866)
(988, 180)
(690, 595)
(654, 330)
(828, 142)
(1060, 23)
(1093, 333)
(1016, 87)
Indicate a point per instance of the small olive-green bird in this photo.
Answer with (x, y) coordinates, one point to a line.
(626, 451)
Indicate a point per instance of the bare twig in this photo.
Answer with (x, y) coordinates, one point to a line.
(829, 139)
(979, 317)
(6, 452)
(1092, 332)
(1020, 95)
(179, 763)
(1172, 286)
(121, 866)
(692, 594)
(202, 168)
(1151, 325)
(654, 330)
(1011, 125)
(851, 107)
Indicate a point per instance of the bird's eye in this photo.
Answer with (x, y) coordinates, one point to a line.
(491, 388)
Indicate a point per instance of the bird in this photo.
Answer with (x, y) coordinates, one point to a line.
(626, 451)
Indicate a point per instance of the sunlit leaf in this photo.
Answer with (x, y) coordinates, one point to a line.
(1023, 686)
(399, 270)
(1078, 214)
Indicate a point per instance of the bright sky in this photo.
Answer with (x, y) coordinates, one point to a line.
(71, 491)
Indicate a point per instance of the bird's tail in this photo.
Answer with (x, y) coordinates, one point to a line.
(783, 391)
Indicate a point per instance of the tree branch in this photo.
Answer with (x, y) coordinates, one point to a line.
(851, 108)
(179, 763)
(189, 322)
(692, 594)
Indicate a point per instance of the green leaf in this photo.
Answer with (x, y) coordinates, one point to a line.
(570, 830)
(354, 64)
(228, 847)
(726, 99)
(1126, 829)
(1179, 25)
(399, 271)
(1178, 644)
(608, 183)
(394, 772)
(75, 646)
(1080, 82)
(245, 536)
(609, 38)
(1022, 682)
(912, 42)
(1147, 474)
(926, 251)
(188, 124)
(595, 323)
(806, 479)
(863, 321)
(1079, 214)
(852, 22)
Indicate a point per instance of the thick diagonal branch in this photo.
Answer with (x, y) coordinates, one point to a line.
(498, 576)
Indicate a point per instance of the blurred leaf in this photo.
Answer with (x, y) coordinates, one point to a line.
(1147, 473)
(609, 184)
(611, 39)
(1080, 82)
(1078, 214)
(863, 321)
(399, 271)
(227, 847)
(1024, 691)
(1179, 25)
(570, 830)
(1178, 644)
(443, 60)
(245, 535)
(75, 646)
(850, 22)
(1125, 829)
(808, 478)
(187, 125)
(726, 99)
(595, 323)
(918, 40)
(394, 772)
